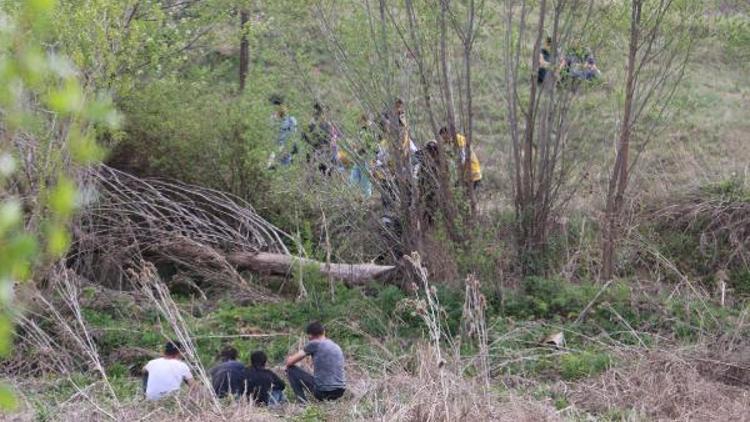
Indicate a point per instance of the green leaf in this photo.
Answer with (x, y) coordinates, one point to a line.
(62, 199)
(85, 149)
(58, 240)
(15, 256)
(6, 331)
(67, 99)
(102, 111)
(40, 6)
(34, 66)
(7, 398)
(10, 215)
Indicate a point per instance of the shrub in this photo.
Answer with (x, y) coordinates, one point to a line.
(574, 366)
(197, 133)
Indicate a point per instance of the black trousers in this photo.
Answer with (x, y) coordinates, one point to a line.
(302, 381)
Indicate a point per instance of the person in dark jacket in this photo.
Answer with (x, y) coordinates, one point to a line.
(262, 384)
(545, 60)
(228, 377)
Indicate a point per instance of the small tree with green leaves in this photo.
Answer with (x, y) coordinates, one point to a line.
(47, 129)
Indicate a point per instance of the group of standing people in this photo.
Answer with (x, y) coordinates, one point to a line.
(321, 135)
(384, 149)
(230, 377)
(383, 154)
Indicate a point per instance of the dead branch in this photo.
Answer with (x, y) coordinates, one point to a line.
(203, 232)
(284, 265)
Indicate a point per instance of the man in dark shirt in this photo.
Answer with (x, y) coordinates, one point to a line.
(262, 384)
(228, 377)
(328, 381)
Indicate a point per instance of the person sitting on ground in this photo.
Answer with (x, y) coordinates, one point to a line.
(228, 377)
(589, 71)
(474, 175)
(328, 382)
(166, 374)
(263, 384)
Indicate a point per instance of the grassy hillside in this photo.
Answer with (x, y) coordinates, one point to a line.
(477, 338)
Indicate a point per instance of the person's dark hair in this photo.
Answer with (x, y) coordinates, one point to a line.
(431, 147)
(398, 101)
(443, 130)
(172, 348)
(258, 359)
(590, 60)
(315, 329)
(382, 122)
(276, 99)
(228, 353)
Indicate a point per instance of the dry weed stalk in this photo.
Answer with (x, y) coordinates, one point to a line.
(66, 287)
(428, 306)
(444, 374)
(720, 221)
(475, 325)
(158, 294)
(65, 313)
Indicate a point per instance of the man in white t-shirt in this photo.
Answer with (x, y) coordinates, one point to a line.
(166, 374)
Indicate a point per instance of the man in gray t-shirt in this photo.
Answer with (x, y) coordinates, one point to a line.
(328, 381)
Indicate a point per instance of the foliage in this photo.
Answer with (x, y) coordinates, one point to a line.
(557, 299)
(172, 68)
(33, 85)
(734, 30)
(200, 134)
(584, 364)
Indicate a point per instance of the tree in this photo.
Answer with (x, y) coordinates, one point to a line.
(244, 49)
(376, 79)
(467, 32)
(660, 41)
(47, 114)
(546, 130)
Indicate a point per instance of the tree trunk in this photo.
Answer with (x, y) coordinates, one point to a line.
(532, 218)
(447, 204)
(284, 265)
(468, 44)
(467, 170)
(619, 178)
(244, 49)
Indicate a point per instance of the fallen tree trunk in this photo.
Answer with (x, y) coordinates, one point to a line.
(197, 230)
(284, 265)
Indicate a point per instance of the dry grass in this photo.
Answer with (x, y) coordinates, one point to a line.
(433, 392)
(431, 386)
(663, 385)
(437, 392)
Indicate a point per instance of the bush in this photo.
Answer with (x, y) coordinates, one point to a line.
(575, 366)
(197, 133)
(550, 298)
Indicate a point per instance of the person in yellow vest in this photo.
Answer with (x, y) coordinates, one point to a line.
(459, 144)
